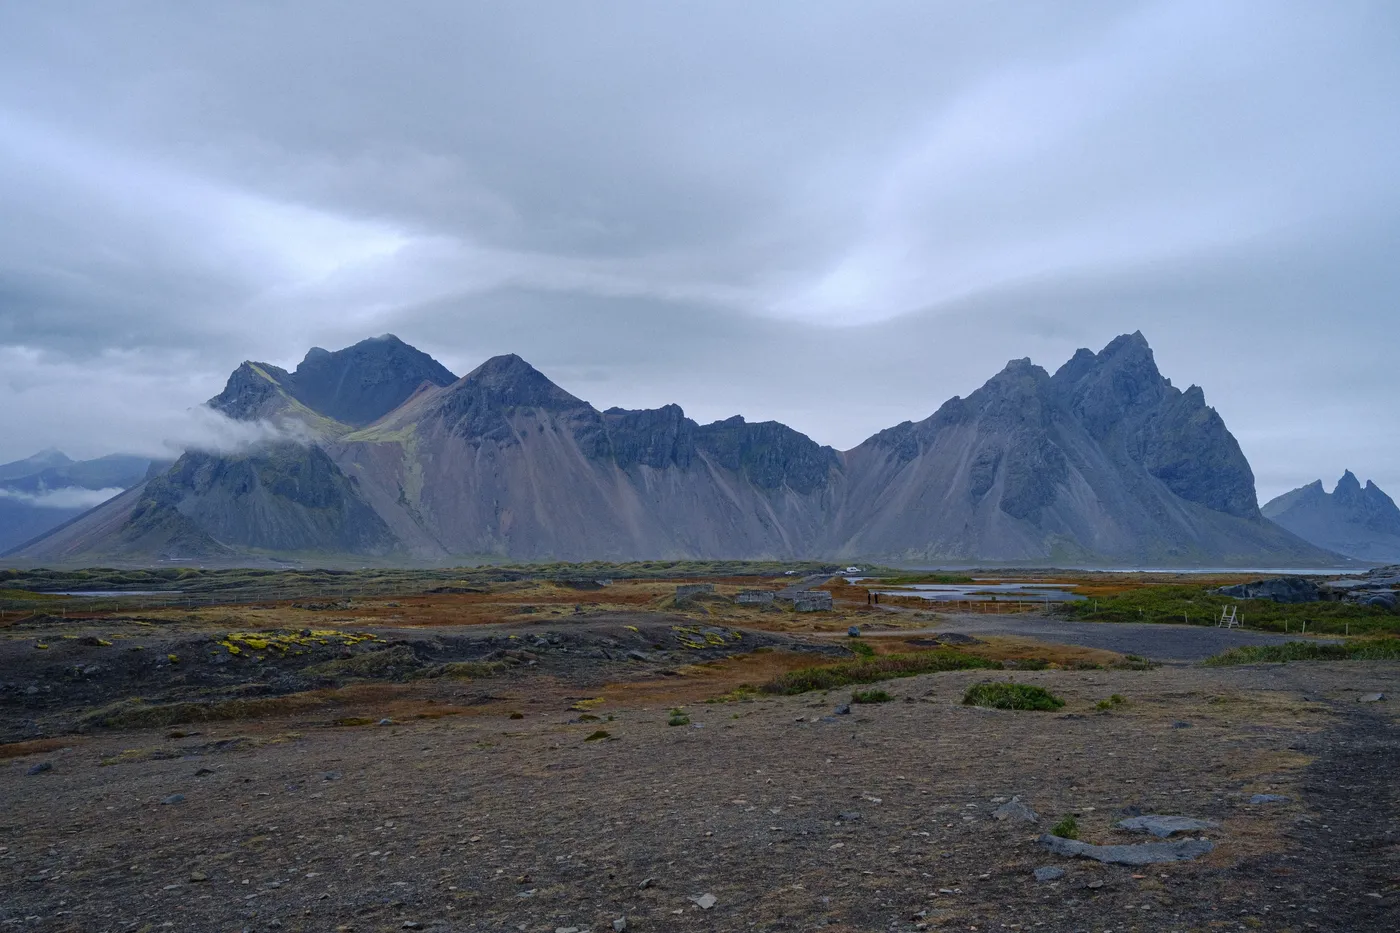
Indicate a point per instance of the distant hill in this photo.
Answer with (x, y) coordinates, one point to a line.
(1359, 522)
(42, 492)
(1105, 462)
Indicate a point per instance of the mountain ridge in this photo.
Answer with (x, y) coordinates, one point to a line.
(1102, 461)
(1360, 522)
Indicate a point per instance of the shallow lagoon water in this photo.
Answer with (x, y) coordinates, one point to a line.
(982, 592)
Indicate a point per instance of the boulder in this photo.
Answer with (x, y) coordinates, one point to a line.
(1279, 589)
(1147, 853)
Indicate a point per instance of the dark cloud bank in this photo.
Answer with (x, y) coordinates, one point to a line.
(836, 215)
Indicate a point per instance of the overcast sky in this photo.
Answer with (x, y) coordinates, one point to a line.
(836, 215)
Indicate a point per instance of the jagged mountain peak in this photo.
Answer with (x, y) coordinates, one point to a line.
(355, 386)
(1358, 521)
(508, 380)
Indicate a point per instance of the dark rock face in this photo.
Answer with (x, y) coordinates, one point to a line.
(1279, 589)
(363, 383)
(284, 497)
(770, 454)
(250, 390)
(355, 386)
(1357, 521)
(1127, 406)
(654, 437)
(480, 407)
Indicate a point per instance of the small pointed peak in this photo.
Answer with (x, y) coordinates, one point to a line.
(1348, 483)
(509, 380)
(1134, 344)
(504, 365)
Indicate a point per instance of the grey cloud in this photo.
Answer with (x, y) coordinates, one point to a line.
(66, 497)
(833, 214)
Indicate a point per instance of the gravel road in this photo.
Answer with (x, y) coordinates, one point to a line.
(1170, 643)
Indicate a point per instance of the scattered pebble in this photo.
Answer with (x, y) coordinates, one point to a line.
(1268, 798)
(1049, 873)
(386, 721)
(198, 876)
(1015, 811)
(1371, 698)
(705, 901)
(1181, 724)
(174, 798)
(40, 768)
(620, 924)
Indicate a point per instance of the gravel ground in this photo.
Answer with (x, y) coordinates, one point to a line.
(789, 817)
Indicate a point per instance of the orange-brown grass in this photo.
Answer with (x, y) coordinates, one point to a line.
(35, 746)
(1003, 648)
(699, 682)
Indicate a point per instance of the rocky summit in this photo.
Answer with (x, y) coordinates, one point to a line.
(1360, 522)
(1105, 461)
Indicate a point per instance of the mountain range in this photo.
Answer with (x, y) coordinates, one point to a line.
(1360, 522)
(1103, 462)
(42, 492)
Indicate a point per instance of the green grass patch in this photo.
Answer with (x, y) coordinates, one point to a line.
(1201, 605)
(1361, 649)
(862, 649)
(871, 696)
(1011, 696)
(678, 718)
(599, 735)
(911, 579)
(1111, 703)
(872, 670)
(1067, 828)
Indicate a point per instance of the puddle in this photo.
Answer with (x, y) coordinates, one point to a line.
(981, 592)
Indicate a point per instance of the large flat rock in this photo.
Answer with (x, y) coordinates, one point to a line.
(1147, 853)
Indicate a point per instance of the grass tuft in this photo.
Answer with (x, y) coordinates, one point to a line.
(1011, 696)
(1067, 828)
(870, 696)
(1112, 702)
(1364, 649)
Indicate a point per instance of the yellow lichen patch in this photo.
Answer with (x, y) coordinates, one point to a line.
(632, 628)
(285, 641)
(584, 705)
(174, 658)
(41, 646)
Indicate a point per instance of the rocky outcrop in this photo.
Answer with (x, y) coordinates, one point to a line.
(1278, 589)
(1360, 522)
